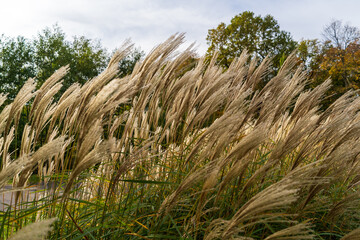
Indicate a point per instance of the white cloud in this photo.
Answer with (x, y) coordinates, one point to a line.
(148, 23)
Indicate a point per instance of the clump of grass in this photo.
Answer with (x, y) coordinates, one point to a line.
(170, 154)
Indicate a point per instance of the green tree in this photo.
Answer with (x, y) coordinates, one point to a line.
(261, 36)
(39, 58)
(86, 58)
(89, 58)
(308, 50)
(16, 64)
(127, 64)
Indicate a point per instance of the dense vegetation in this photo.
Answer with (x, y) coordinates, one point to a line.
(164, 155)
(336, 56)
(40, 57)
(172, 146)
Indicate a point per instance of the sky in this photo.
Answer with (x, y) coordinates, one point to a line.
(148, 23)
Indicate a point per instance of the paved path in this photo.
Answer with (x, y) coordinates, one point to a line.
(30, 194)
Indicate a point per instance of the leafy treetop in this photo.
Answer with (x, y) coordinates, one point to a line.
(260, 36)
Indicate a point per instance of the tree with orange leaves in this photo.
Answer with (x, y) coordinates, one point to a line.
(337, 58)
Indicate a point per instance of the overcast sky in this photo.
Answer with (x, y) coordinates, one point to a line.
(150, 22)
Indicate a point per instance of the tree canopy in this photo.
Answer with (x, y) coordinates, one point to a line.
(337, 57)
(260, 36)
(16, 64)
(40, 57)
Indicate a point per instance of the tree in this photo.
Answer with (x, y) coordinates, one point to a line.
(87, 58)
(342, 66)
(261, 36)
(340, 36)
(337, 58)
(308, 50)
(127, 64)
(39, 58)
(16, 64)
